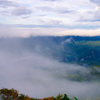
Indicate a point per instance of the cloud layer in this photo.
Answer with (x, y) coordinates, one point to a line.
(74, 14)
(7, 3)
(39, 76)
(21, 11)
(95, 1)
(38, 30)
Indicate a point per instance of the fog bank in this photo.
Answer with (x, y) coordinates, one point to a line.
(39, 76)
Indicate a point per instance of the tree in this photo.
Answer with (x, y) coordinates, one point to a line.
(7, 94)
(65, 97)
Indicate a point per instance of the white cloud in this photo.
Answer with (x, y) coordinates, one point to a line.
(74, 13)
(96, 1)
(15, 31)
(21, 11)
(82, 32)
(7, 3)
(36, 76)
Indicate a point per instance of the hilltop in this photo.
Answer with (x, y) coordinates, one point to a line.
(68, 49)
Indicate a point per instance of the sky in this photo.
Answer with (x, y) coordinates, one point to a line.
(23, 18)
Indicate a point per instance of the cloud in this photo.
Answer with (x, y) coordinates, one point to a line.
(20, 30)
(5, 13)
(56, 10)
(92, 20)
(95, 1)
(93, 17)
(66, 11)
(97, 14)
(45, 8)
(12, 31)
(66, 14)
(21, 11)
(51, 23)
(6, 3)
(38, 76)
(51, 0)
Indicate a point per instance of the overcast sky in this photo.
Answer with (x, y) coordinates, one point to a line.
(49, 17)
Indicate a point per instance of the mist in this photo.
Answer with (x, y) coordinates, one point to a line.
(39, 76)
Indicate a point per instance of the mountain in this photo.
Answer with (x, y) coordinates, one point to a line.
(68, 49)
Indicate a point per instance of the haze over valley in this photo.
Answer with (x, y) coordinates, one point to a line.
(49, 47)
(46, 66)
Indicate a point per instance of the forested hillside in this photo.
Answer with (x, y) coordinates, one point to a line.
(68, 49)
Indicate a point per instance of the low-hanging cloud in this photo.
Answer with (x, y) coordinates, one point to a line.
(39, 76)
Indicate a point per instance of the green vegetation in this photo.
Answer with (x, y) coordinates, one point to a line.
(68, 49)
(81, 52)
(89, 43)
(75, 98)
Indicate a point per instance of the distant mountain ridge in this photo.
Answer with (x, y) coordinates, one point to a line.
(68, 49)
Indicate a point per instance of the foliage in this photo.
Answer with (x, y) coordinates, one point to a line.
(75, 98)
(62, 97)
(59, 96)
(7, 94)
(12, 94)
